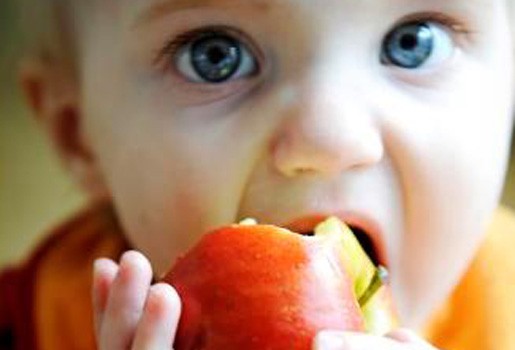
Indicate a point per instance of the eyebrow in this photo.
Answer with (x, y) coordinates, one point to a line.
(161, 8)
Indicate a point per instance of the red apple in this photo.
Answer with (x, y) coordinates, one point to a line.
(257, 287)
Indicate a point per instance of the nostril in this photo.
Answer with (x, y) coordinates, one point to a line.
(303, 171)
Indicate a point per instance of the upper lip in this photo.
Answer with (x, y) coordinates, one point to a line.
(307, 223)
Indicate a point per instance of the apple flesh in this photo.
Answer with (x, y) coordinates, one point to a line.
(258, 287)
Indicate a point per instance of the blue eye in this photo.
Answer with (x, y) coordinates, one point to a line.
(215, 58)
(418, 44)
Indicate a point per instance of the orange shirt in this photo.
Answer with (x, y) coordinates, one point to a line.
(45, 303)
(480, 314)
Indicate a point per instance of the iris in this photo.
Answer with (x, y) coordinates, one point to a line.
(409, 45)
(216, 58)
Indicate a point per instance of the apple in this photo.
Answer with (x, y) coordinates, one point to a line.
(257, 287)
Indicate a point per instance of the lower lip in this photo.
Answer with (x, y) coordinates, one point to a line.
(308, 223)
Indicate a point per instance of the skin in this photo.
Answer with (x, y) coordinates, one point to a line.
(323, 128)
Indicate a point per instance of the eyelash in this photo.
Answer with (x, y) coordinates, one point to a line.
(458, 27)
(172, 47)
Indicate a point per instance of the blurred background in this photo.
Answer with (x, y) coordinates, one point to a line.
(35, 193)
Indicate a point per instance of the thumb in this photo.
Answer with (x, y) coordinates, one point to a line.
(401, 339)
(329, 340)
(405, 335)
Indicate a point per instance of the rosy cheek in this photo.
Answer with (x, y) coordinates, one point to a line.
(186, 201)
(188, 208)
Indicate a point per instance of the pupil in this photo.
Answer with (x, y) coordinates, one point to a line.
(216, 55)
(216, 58)
(408, 42)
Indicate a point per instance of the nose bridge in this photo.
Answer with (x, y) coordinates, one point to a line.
(327, 128)
(333, 91)
(327, 113)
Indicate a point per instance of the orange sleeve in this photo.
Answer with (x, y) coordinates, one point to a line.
(6, 316)
(45, 304)
(62, 304)
(16, 316)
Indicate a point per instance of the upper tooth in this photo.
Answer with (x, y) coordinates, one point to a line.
(248, 222)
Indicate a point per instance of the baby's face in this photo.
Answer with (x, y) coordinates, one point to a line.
(394, 115)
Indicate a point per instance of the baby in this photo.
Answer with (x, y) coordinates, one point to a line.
(177, 117)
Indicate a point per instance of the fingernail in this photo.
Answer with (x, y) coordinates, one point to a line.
(132, 257)
(329, 340)
(96, 268)
(126, 256)
(97, 265)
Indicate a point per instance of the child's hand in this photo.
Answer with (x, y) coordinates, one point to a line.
(129, 312)
(401, 339)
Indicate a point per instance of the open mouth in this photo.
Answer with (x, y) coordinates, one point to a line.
(365, 241)
(367, 244)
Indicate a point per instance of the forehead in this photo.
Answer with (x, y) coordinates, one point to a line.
(148, 10)
(265, 4)
(176, 5)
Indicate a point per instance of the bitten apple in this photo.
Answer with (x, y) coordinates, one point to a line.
(257, 287)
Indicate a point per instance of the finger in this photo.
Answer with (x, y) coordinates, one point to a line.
(335, 340)
(104, 272)
(160, 319)
(329, 340)
(404, 335)
(126, 300)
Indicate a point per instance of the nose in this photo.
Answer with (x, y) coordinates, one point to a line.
(326, 131)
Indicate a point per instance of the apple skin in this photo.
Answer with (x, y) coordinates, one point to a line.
(261, 287)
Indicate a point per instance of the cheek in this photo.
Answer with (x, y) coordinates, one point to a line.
(173, 176)
(451, 160)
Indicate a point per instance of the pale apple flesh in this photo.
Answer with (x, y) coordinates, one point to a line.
(370, 287)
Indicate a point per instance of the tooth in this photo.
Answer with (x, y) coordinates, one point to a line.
(248, 222)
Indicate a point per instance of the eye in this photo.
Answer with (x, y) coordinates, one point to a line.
(417, 44)
(215, 58)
